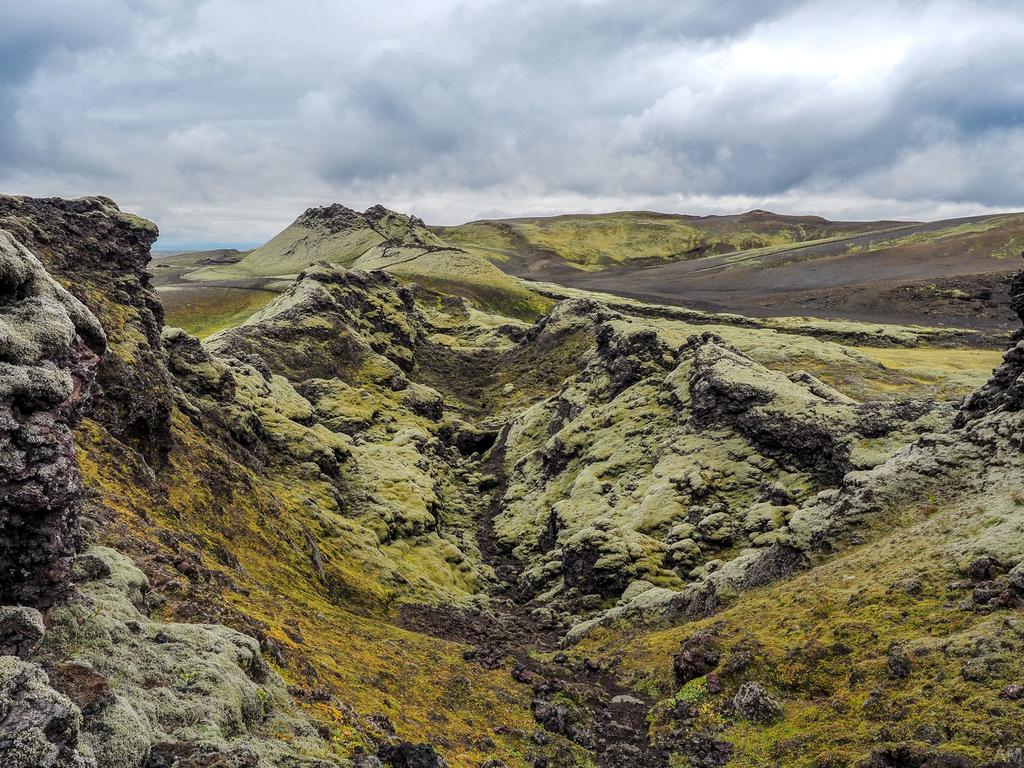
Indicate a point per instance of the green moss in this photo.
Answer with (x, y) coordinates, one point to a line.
(602, 240)
(822, 640)
(203, 311)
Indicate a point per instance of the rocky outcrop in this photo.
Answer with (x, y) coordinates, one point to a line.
(100, 254)
(50, 346)
(678, 467)
(39, 727)
(359, 327)
(21, 629)
(408, 755)
(796, 419)
(1005, 390)
(152, 693)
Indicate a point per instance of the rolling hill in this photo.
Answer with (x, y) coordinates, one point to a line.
(950, 272)
(632, 238)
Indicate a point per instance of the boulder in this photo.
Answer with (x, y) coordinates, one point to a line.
(698, 655)
(39, 727)
(752, 702)
(21, 629)
(408, 755)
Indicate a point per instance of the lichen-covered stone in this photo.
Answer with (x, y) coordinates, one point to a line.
(202, 686)
(21, 629)
(39, 727)
(50, 346)
(752, 702)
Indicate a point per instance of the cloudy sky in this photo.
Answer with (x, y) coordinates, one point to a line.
(223, 119)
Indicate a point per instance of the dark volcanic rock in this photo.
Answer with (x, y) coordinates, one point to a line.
(705, 751)
(178, 755)
(408, 755)
(594, 563)
(50, 346)
(698, 656)
(21, 629)
(796, 419)
(1005, 390)
(915, 756)
(100, 254)
(775, 563)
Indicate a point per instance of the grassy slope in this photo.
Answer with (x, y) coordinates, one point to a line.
(599, 240)
(342, 643)
(822, 639)
(1001, 237)
(202, 311)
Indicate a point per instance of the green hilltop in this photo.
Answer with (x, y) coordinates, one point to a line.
(375, 239)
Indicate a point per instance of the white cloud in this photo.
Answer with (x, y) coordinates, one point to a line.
(222, 119)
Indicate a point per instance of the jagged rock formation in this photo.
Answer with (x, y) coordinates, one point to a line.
(50, 346)
(1005, 390)
(100, 255)
(333, 323)
(658, 465)
(797, 419)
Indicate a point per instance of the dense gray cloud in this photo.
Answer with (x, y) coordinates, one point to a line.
(222, 119)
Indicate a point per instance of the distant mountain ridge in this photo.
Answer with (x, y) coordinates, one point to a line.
(951, 272)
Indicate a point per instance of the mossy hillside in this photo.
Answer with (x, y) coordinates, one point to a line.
(601, 240)
(679, 491)
(456, 272)
(1000, 237)
(822, 642)
(331, 323)
(865, 361)
(384, 240)
(623, 472)
(292, 250)
(899, 644)
(270, 586)
(386, 474)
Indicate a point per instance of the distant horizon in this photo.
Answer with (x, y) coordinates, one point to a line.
(170, 247)
(220, 121)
